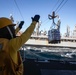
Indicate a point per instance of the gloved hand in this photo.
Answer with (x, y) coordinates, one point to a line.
(21, 24)
(36, 18)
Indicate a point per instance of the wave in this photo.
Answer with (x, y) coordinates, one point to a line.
(44, 53)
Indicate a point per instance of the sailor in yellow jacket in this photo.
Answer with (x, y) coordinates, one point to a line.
(10, 59)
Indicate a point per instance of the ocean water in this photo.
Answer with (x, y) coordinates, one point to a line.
(46, 67)
(48, 53)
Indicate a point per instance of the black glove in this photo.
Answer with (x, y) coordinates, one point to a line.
(36, 18)
(21, 24)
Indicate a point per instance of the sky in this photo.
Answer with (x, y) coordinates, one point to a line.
(25, 9)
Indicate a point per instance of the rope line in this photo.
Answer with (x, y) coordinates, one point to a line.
(62, 6)
(55, 5)
(18, 9)
(59, 5)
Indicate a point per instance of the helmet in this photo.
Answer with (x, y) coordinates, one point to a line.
(5, 22)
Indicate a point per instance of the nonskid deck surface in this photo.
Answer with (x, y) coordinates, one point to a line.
(52, 67)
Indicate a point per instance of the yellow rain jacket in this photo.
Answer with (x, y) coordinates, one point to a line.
(10, 59)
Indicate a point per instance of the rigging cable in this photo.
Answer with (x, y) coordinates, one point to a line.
(18, 9)
(52, 10)
(62, 5)
(55, 5)
(59, 5)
